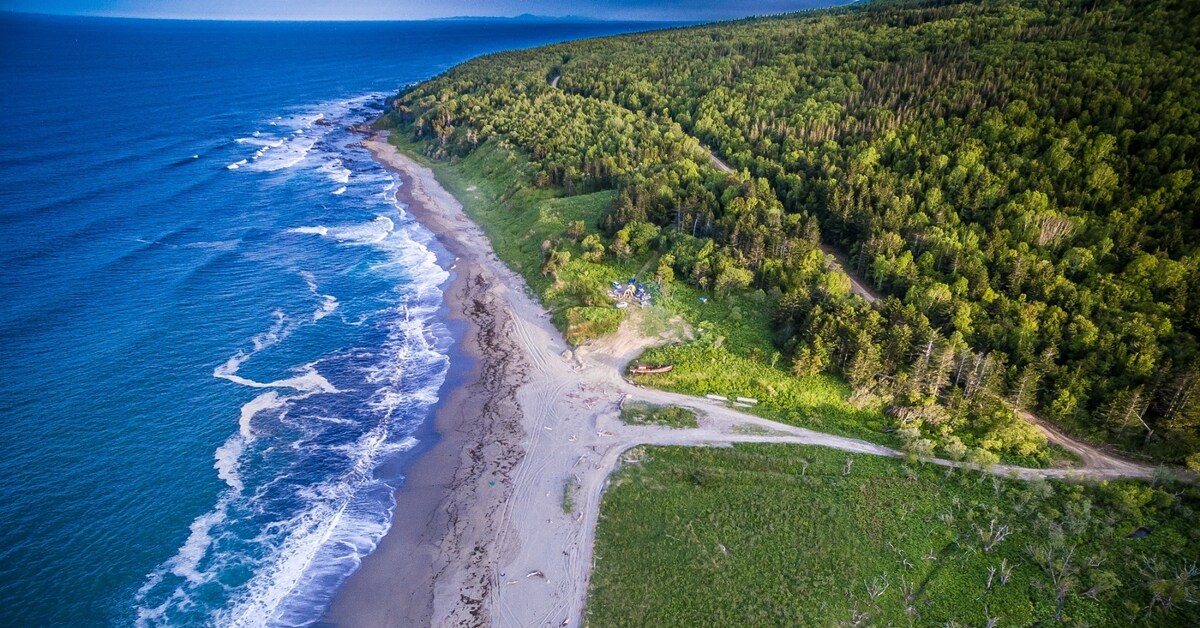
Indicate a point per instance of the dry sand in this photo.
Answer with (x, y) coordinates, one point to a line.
(480, 535)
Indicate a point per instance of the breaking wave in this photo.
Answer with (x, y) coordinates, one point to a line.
(302, 499)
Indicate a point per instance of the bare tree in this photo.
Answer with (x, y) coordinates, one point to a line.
(1055, 560)
(1169, 588)
(877, 587)
(1054, 228)
(1129, 409)
(993, 535)
(1005, 571)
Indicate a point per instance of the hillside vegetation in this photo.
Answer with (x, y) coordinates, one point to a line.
(1018, 178)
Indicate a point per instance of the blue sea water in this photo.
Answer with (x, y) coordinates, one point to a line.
(220, 335)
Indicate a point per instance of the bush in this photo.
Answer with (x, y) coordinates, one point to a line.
(589, 323)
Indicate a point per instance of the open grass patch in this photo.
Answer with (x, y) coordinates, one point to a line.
(642, 413)
(783, 535)
(587, 323)
(820, 402)
(568, 496)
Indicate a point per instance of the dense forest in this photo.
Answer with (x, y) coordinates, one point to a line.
(1019, 179)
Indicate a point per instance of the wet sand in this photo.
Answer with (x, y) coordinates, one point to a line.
(479, 427)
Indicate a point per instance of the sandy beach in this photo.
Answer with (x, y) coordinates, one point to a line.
(480, 535)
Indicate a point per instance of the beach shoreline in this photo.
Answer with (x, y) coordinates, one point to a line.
(478, 433)
(532, 419)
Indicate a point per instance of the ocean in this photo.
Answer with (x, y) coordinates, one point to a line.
(222, 336)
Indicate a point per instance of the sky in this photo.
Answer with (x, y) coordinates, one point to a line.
(675, 10)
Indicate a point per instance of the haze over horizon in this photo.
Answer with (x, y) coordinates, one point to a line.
(371, 10)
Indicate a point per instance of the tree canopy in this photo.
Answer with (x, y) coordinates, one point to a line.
(1018, 178)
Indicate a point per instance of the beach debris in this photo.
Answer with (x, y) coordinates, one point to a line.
(535, 574)
(621, 305)
(604, 433)
(547, 428)
(644, 369)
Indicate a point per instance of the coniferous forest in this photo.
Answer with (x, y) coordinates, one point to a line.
(1017, 180)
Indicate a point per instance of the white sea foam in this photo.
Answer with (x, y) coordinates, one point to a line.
(184, 564)
(288, 154)
(274, 334)
(367, 233)
(307, 532)
(336, 171)
(237, 164)
(317, 230)
(341, 190)
(258, 141)
(227, 456)
(297, 551)
(307, 379)
(329, 303)
(328, 306)
(226, 462)
(302, 134)
(332, 524)
(222, 245)
(372, 232)
(310, 280)
(187, 559)
(265, 401)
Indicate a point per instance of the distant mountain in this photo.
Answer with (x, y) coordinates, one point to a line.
(524, 17)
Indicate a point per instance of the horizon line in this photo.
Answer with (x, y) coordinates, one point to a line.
(529, 16)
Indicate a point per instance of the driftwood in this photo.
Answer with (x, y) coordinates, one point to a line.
(643, 369)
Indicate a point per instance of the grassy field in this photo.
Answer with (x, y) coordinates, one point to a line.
(777, 535)
(641, 413)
